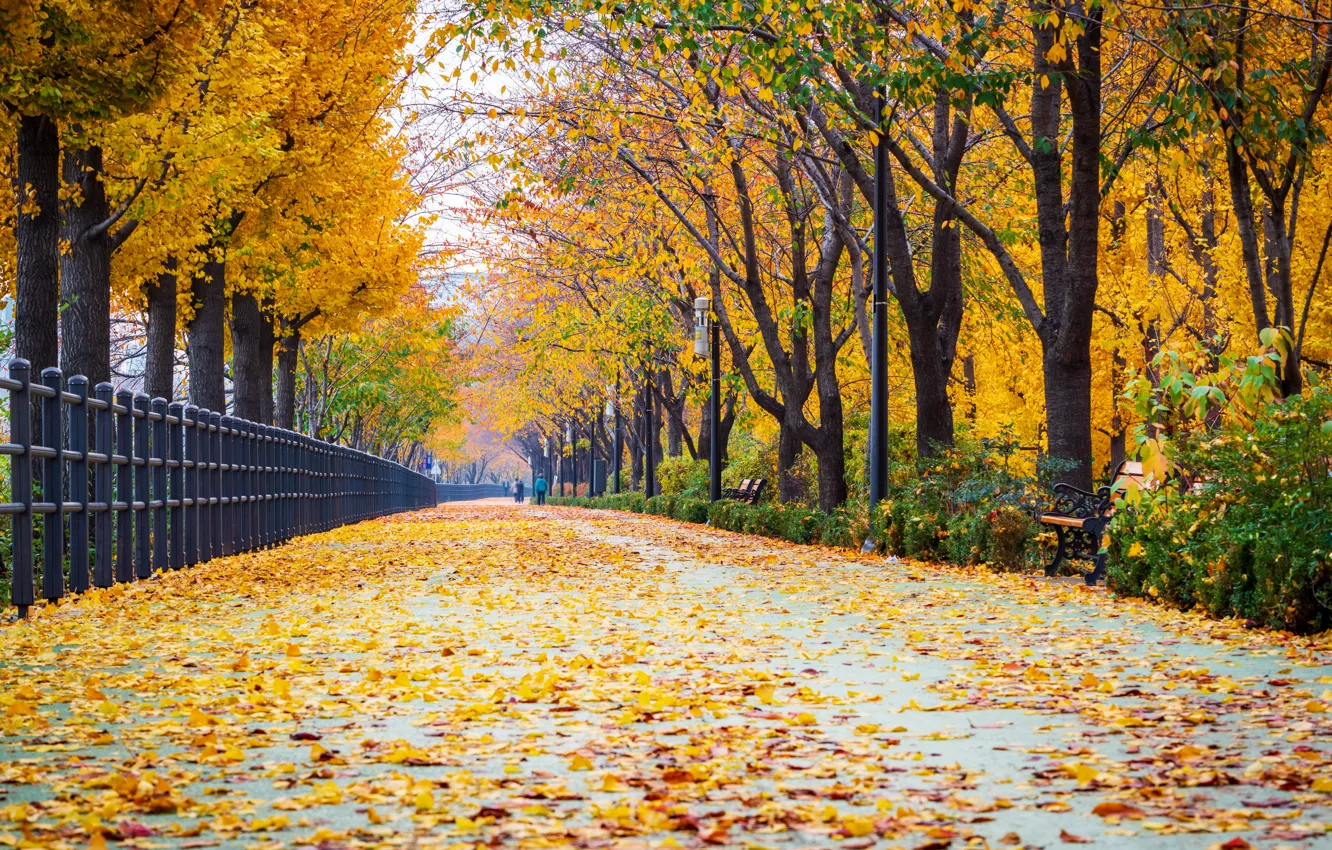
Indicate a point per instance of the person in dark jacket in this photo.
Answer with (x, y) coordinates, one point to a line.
(518, 491)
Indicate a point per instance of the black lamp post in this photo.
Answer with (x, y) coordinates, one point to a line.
(878, 431)
(572, 434)
(619, 434)
(649, 464)
(707, 344)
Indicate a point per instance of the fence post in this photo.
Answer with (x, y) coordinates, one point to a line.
(243, 483)
(266, 479)
(53, 490)
(143, 567)
(191, 494)
(215, 491)
(176, 476)
(102, 575)
(158, 504)
(252, 483)
(124, 486)
(78, 487)
(205, 486)
(20, 479)
(302, 488)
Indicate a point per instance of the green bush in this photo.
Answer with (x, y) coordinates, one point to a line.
(661, 506)
(631, 501)
(1242, 522)
(683, 476)
(1253, 538)
(691, 510)
(568, 501)
(973, 504)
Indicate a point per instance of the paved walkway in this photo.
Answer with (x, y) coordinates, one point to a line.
(564, 678)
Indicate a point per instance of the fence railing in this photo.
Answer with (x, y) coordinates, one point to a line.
(189, 485)
(469, 492)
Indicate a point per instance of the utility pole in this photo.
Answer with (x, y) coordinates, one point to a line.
(878, 431)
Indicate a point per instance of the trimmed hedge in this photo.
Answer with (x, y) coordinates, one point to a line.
(845, 527)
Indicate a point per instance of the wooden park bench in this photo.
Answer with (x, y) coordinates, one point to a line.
(1080, 519)
(748, 492)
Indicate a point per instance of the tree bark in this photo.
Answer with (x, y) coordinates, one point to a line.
(160, 373)
(789, 447)
(37, 232)
(85, 271)
(284, 414)
(252, 359)
(207, 343)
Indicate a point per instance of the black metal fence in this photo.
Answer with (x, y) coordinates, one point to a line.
(469, 492)
(183, 485)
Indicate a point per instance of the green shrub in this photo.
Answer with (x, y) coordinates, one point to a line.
(972, 504)
(691, 510)
(631, 501)
(661, 506)
(847, 527)
(1245, 528)
(683, 476)
(1253, 538)
(725, 515)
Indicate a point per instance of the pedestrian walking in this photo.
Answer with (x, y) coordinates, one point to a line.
(518, 491)
(539, 488)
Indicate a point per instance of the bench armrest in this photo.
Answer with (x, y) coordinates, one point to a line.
(1082, 504)
(1070, 490)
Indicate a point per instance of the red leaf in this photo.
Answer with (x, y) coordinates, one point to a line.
(134, 829)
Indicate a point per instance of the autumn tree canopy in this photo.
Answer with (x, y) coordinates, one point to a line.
(235, 180)
(1070, 188)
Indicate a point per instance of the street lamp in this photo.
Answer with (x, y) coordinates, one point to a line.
(878, 430)
(619, 434)
(573, 456)
(709, 345)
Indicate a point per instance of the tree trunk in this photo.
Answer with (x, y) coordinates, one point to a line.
(1068, 414)
(252, 353)
(969, 377)
(789, 447)
(159, 376)
(37, 232)
(934, 410)
(288, 355)
(85, 271)
(724, 432)
(207, 343)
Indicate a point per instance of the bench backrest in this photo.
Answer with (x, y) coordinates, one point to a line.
(1131, 472)
(757, 490)
(743, 489)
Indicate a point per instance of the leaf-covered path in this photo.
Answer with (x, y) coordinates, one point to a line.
(563, 678)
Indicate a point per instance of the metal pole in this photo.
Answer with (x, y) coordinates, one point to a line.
(619, 434)
(79, 577)
(22, 591)
(878, 433)
(102, 564)
(714, 413)
(649, 466)
(158, 503)
(53, 489)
